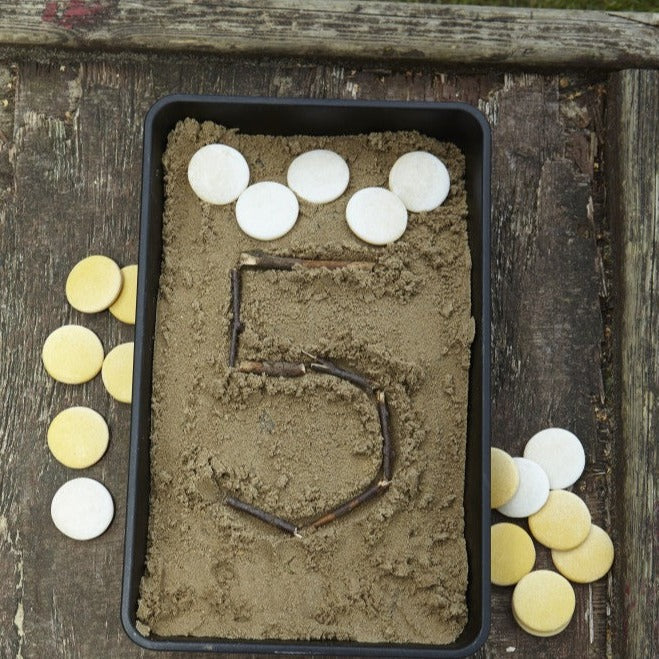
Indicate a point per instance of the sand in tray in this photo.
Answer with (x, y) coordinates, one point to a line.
(393, 570)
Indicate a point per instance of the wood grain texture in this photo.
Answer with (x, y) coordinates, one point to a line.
(460, 35)
(11, 543)
(74, 127)
(66, 203)
(546, 319)
(633, 135)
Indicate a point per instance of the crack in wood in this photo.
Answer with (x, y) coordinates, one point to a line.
(10, 546)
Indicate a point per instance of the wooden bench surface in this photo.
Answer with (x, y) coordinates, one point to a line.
(573, 100)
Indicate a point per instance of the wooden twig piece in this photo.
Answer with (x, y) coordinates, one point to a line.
(236, 325)
(263, 261)
(261, 514)
(324, 366)
(348, 506)
(387, 449)
(275, 369)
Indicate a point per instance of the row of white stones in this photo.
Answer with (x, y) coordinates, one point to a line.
(418, 182)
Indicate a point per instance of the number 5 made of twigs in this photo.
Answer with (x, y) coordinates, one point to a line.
(382, 479)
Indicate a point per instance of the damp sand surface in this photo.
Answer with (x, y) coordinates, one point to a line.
(394, 569)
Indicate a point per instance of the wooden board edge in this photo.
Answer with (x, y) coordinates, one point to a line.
(457, 35)
(633, 206)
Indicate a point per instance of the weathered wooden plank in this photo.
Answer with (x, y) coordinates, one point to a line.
(57, 214)
(11, 544)
(459, 35)
(76, 136)
(546, 320)
(7, 83)
(633, 135)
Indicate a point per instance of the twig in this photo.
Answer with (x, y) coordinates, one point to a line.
(236, 325)
(264, 261)
(348, 506)
(268, 518)
(387, 450)
(275, 369)
(324, 366)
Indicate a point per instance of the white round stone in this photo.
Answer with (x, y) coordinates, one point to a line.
(267, 210)
(421, 180)
(318, 176)
(560, 453)
(82, 508)
(218, 173)
(376, 215)
(532, 492)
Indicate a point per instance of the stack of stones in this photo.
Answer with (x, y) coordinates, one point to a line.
(535, 487)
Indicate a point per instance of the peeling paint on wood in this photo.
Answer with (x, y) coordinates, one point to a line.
(74, 13)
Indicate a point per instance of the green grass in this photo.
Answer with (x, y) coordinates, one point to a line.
(602, 5)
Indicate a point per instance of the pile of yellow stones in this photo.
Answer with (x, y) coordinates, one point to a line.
(534, 487)
(78, 436)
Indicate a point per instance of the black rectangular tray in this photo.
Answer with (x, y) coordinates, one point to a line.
(455, 122)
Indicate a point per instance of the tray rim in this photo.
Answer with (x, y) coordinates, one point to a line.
(205, 644)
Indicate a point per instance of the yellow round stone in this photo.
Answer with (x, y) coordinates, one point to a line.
(563, 522)
(72, 354)
(93, 284)
(543, 603)
(535, 632)
(589, 561)
(123, 308)
(504, 478)
(117, 372)
(78, 437)
(512, 553)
